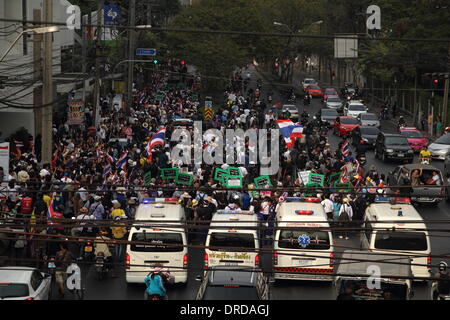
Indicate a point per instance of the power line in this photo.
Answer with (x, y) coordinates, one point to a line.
(225, 32)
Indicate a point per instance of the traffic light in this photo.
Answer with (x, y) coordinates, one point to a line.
(182, 62)
(155, 61)
(436, 81)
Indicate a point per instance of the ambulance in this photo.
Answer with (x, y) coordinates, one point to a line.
(159, 239)
(303, 243)
(232, 239)
(392, 225)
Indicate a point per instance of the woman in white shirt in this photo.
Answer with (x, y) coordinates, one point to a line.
(345, 216)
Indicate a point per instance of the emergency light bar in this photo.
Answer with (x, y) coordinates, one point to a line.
(298, 199)
(234, 212)
(405, 200)
(159, 200)
(304, 212)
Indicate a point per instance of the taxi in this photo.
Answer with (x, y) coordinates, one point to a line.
(415, 138)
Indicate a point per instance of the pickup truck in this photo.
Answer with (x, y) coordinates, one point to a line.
(423, 192)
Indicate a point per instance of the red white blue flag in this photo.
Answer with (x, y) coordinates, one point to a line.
(157, 139)
(290, 131)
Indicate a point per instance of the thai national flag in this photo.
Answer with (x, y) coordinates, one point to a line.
(121, 163)
(345, 149)
(157, 139)
(343, 174)
(107, 170)
(51, 211)
(290, 131)
(111, 159)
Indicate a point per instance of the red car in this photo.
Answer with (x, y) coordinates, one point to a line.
(314, 91)
(329, 92)
(344, 125)
(415, 138)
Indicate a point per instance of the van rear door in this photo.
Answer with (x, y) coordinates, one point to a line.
(232, 248)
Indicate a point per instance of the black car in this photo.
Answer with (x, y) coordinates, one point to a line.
(393, 146)
(233, 283)
(365, 135)
(328, 116)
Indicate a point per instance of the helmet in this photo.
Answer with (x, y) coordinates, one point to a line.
(443, 266)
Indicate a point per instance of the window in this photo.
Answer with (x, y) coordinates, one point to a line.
(329, 112)
(412, 134)
(399, 240)
(333, 99)
(13, 290)
(156, 242)
(224, 293)
(368, 116)
(396, 141)
(349, 120)
(356, 107)
(36, 280)
(231, 239)
(445, 139)
(319, 240)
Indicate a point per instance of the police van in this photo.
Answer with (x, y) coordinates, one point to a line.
(392, 225)
(303, 243)
(229, 242)
(155, 242)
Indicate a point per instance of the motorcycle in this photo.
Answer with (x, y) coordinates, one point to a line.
(306, 100)
(269, 99)
(88, 251)
(100, 266)
(51, 265)
(435, 293)
(425, 161)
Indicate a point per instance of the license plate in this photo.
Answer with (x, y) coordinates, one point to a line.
(51, 265)
(401, 155)
(87, 249)
(301, 263)
(424, 199)
(231, 264)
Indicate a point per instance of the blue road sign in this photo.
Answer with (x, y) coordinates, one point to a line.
(145, 52)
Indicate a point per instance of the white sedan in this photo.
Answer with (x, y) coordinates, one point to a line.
(24, 283)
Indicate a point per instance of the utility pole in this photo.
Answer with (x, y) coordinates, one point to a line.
(131, 36)
(445, 102)
(37, 69)
(47, 111)
(98, 43)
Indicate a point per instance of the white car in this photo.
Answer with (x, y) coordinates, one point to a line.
(308, 82)
(354, 109)
(24, 283)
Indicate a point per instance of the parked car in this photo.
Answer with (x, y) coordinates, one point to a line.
(308, 82)
(354, 107)
(415, 138)
(369, 119)
(344, 125)
(24, 283)
(422, 193)
(221, 283)
(365, 135)
(440, 148)
(328, 116)
(447, 166)
(293, 110)
(393, 146)
(330, 92)
(333, 102)
(314, 91)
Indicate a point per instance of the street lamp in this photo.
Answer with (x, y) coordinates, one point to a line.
(36, 30)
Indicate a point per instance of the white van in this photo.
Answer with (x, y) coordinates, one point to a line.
(385, 232)
(227, 230)
(303, 244)
(157, 242)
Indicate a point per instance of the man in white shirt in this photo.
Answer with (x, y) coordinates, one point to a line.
(328, 206)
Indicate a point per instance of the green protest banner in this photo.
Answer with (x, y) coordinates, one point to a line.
(316, 178)
(169, 173)
(147, 178)
(220, 174)
(234, 172)
(233, 182)
(160, 97)
(334, 177)
(262, 181)
(184, 178)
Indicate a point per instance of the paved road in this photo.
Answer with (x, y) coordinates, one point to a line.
(286, 290)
